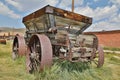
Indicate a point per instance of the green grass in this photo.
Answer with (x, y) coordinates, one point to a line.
(60, 70)
(110, 48)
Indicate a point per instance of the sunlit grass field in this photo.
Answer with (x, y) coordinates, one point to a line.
(61, 70)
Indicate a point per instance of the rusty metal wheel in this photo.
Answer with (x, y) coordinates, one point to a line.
(19, 47)
(99, 58)
(39, 53)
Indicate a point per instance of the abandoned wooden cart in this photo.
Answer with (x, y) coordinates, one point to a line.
(53, 32)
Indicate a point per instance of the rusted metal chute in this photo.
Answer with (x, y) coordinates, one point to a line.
(18, 47)
(39, 53)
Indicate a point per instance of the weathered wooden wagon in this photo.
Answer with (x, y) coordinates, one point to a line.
(53, 32)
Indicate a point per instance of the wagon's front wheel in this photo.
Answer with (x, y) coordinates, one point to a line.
(99, 58)
(39, 53)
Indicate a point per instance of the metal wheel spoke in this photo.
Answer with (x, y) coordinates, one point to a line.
(95, 61)
(31, 49)
(31, 64)
(34, 47)
(35, 62)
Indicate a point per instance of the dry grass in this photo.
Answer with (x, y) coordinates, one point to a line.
(15, 70)
(9, 69)
(80, 71)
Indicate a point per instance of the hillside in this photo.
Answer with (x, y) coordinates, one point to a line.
(8, 29)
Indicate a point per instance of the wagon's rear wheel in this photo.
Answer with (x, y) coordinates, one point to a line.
(19, 47)
(99, 58)
(39, 53)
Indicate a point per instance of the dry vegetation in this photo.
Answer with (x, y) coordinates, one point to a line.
(9, 69)
(15, 70)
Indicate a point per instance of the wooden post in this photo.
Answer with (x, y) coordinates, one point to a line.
(72, 5)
